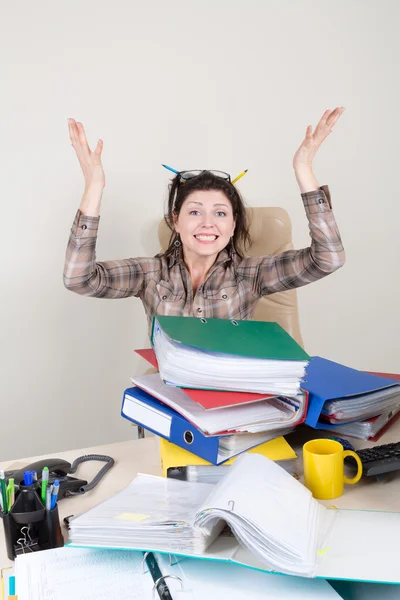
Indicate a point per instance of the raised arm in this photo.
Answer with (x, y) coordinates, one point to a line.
(295, 268)
(82, 274)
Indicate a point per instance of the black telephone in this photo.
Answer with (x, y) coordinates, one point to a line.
(61, 469)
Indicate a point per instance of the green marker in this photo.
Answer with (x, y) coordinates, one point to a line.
(10, 493)
(3, 492)
(45, 483)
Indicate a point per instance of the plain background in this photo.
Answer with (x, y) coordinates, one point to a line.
(211, 84)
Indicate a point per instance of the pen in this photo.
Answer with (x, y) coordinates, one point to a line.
(11, 587)
(10, 495)
(3, 491)
(48, 498)
(170, 169)
(54, 494)
(28, 478)
(45, 482)
(239, 176)
(34, 476)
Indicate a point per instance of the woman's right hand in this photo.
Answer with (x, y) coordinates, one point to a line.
(90, 161)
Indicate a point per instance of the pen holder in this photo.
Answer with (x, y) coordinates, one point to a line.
(28, 526)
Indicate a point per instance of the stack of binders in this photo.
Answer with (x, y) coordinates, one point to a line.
(222, 387)
(348, 402)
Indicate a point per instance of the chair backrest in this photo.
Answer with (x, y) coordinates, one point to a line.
(271, 233)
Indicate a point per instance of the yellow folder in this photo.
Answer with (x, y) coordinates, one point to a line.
(174, 456)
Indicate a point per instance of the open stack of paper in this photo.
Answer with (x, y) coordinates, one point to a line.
(277, 524)
(270, 513)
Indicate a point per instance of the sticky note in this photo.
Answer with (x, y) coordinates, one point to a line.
(132, 517)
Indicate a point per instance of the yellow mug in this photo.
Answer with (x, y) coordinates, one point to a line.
(324, 470)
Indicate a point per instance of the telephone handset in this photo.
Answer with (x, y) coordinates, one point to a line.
(61, 469)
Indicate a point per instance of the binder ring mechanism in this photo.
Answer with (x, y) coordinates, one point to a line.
(146, 555)
(234, 322)
(162, 590)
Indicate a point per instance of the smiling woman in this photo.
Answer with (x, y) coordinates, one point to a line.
(205, 271)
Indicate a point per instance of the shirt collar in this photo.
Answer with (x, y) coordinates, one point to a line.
(177, 258)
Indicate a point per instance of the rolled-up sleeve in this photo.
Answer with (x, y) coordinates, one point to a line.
(295, 268)
(84, 276)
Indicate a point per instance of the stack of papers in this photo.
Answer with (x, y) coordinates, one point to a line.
(271, 514)
(220, 354)
(223, 386)
(277, 525)
(151, 512)
(84, 574)
(371, 429)
(265, 415)
(362, 406)
(340, 396)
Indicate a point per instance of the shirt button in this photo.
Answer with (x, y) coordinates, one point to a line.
(321, 201)
(224, 296)
(164, 297)
(199, 310)
(84, 226)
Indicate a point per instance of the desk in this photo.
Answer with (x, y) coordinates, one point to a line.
(130, 457)
(137, 456)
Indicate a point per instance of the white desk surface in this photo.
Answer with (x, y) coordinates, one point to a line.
(130, 457)
(137, 456)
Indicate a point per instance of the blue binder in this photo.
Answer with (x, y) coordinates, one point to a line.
(328, 380)
(143, 409)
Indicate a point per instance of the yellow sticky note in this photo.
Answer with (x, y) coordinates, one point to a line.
(132, 517)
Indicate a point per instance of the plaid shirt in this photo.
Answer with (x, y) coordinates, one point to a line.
(232, 286)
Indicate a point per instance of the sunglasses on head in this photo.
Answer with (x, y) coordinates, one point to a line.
(186, 175)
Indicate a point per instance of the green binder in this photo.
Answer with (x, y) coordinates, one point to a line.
(255, 339)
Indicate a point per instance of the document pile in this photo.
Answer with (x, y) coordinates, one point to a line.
(87, 574)
(222, 388)
(350, 402)
(277, 525)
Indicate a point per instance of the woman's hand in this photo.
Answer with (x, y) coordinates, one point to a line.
(90, 161)
(303, 159)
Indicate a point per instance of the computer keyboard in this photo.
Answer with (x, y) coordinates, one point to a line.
(378, 460)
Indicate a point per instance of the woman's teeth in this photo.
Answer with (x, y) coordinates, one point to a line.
(206, 238)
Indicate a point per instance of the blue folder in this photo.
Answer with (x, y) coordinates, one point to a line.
(143, 409)
(327, 380)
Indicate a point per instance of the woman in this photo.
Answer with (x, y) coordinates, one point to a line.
(204, 271)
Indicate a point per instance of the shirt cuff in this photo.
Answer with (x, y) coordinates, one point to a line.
(85, 226)
(318, 200)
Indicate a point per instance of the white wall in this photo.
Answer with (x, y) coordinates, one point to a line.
(211, 84)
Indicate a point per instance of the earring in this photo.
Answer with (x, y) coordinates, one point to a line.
(177, 242)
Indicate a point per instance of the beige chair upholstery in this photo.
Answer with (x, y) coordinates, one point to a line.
(271, 233)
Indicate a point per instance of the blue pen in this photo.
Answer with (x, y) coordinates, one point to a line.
(11, 586)
(170, 169)
(54, 494)
(28, 478)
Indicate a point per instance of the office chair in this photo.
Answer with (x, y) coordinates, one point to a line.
(271, 233)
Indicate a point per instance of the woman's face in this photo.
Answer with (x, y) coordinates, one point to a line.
(205, 223)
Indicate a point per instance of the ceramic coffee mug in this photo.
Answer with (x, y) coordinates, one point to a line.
(324, 469)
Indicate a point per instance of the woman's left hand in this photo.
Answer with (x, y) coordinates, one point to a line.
(304, 156)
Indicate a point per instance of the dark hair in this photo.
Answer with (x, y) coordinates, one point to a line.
(206, 181)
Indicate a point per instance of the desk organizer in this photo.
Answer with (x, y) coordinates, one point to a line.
(28, 526)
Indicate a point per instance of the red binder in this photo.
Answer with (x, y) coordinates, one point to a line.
(210, 399)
